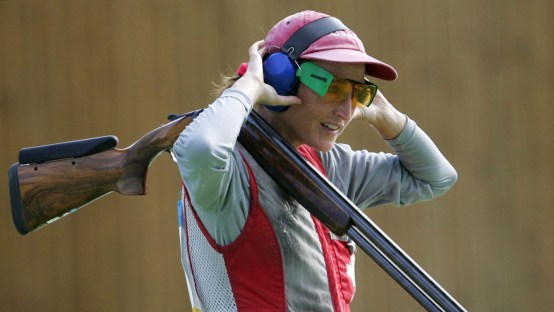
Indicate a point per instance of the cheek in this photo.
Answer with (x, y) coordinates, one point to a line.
(306, 94)
(312, 104)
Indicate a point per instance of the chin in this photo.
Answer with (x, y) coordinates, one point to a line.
(323, 147)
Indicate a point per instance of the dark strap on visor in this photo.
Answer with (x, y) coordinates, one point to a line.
(309, 33)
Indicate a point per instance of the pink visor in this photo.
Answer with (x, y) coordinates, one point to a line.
(342, 46)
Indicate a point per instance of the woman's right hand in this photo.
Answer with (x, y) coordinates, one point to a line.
(253, 85)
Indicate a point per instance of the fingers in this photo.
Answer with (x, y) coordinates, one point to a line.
(379, 109)
(255, 67)
(254, 74)
(260, 47)
(362, 113)
(280, 100)
(257, 50)
(379, 99)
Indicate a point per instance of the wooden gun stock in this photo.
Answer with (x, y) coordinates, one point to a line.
(41, 192)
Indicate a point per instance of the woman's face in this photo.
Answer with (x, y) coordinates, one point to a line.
(316, 122)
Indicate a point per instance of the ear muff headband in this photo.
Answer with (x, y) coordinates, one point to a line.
(300, 40)
(280, 67)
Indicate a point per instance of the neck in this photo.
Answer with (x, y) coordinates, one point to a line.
(277, 122)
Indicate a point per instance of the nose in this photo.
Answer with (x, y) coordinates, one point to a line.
(344, 109)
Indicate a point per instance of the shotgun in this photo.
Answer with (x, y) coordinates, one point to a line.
(52, 181)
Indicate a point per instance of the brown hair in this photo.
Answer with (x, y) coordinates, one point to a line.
(225, 82)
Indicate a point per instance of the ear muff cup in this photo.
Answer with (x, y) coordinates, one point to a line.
(280, 73)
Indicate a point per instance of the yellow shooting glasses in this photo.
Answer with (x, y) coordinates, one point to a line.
(334, 89)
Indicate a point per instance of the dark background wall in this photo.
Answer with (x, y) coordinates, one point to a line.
(476, 75)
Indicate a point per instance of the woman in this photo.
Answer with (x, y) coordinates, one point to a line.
(247, 245)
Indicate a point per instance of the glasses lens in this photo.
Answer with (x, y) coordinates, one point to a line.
(361, 95)
(341, 89)
(338, 91)
(364, 94)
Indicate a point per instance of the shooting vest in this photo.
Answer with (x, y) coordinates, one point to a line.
(284, 259)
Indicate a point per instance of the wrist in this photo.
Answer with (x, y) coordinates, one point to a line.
(390, 123)
(249, 87)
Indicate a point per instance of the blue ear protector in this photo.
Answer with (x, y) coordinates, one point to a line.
(280, 67)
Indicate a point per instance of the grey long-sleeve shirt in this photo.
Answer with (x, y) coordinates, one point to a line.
(218, 183)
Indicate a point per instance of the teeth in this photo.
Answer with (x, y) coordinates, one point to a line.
(330, 126)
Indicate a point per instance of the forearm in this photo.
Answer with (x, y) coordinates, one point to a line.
(422, 158)
(204, 149)
(417, 171)
(213, 133)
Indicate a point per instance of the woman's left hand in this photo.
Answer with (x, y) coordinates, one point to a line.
(388, 121)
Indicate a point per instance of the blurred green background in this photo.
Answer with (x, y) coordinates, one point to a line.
(476, 75)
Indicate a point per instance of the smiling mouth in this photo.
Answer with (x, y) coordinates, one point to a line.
(330, 126)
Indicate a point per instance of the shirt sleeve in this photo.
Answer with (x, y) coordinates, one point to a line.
(416, 171)
(215, 177)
